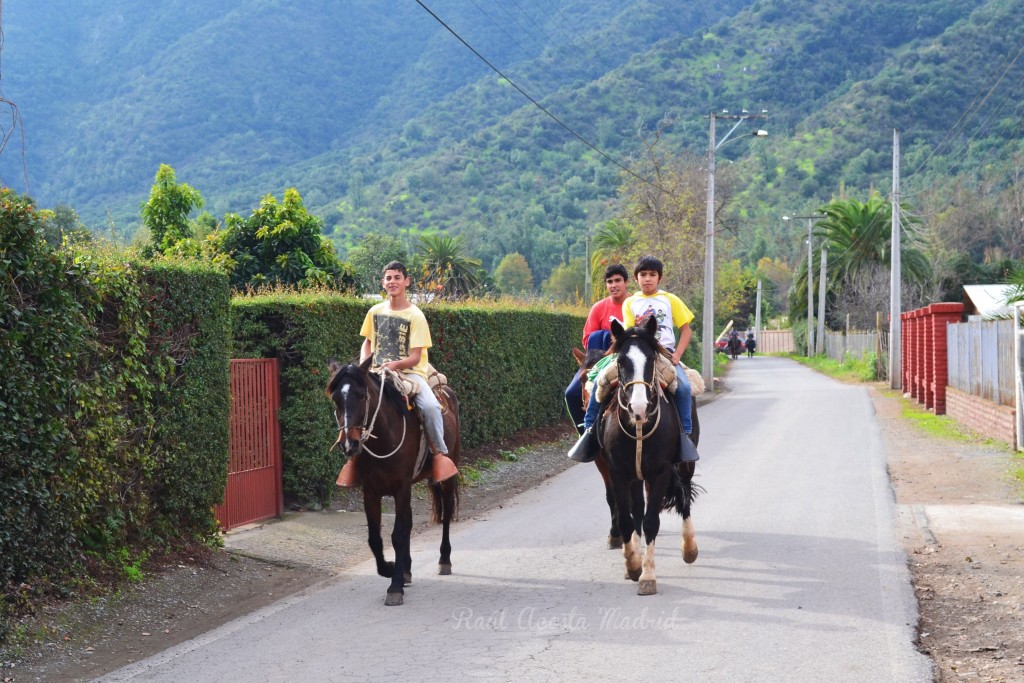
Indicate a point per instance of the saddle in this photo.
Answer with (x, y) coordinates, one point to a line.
(435, 380)
(608, 378)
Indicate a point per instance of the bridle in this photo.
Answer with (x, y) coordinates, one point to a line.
(365, 431)
(654, 393)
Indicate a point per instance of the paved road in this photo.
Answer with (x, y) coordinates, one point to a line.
(800, 575)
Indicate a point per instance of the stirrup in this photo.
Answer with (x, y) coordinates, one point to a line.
(687, 451)
(585, 450)
(443, 468)
(349, 477)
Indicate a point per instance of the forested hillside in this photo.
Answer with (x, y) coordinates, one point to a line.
(386, 123)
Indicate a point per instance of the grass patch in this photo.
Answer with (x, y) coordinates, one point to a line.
(853, 370)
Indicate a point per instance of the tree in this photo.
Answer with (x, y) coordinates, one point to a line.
(279, 244)
(665, 203)
(567, 282)
(613, 243)
(513, 275)
(857, 236)
(166, 212)
(446, 267)
(369, 258)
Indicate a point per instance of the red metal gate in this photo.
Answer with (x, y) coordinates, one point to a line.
(254, 472)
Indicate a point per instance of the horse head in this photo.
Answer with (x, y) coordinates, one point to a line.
(586, 359)
(349, 389)
(636, 349)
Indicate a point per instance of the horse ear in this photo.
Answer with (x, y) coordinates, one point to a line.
(652, 325)
(578, 355)
(333, 365)
(617, 329)
(365, 365)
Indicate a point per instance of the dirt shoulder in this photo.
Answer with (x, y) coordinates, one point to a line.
(954, 499)
(963, 526)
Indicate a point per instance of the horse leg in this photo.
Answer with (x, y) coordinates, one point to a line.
(614, 535)
(637, 497)
(445, 497)
(400, 541)
(372, 506)
(630, 549)
(689, 539)
(652, 524)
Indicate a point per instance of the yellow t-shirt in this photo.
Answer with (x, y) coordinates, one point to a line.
(393, 333)
(668, 309)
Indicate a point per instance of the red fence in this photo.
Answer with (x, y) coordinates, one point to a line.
(254, 472)
(924, 353)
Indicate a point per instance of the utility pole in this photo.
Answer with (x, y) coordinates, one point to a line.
(707, 334)
(586, 269)
(810, 290)
(757, 314)
(708, 319)
(810, 280)
(895, 280)
(819, 346)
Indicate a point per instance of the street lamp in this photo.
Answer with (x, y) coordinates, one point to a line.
(810, 282)
(708, 326)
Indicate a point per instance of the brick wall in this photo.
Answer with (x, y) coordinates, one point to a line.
(982, 416)
(924, 353)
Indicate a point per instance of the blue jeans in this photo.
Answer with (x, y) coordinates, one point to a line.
(574, 401)
(683, 397)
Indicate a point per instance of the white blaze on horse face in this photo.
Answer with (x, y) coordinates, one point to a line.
(344, 401)
(638, 392)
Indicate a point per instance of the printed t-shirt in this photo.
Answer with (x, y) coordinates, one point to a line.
(393, 333)
(668, 309)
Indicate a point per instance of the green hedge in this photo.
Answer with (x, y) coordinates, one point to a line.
(113, 405)
(509, 365)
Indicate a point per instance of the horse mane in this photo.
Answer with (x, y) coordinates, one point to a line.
(642, 334)
(352, 371)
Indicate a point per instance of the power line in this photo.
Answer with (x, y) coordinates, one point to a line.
(538, 104)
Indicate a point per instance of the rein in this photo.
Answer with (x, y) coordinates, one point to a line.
(654, 390)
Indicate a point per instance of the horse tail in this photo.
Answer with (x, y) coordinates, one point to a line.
(682, 492)
(437, 500)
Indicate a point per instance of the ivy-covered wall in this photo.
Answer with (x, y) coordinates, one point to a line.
(110, 367)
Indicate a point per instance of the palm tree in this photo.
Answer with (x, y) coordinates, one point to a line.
(612, 244)
(458, 275)
(858, 236)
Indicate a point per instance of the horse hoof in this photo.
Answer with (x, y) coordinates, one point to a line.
(633, 574)
(407, 578)
(444, 569)
(690, 556)
(394, 599)
(614, 542)
(647, 587)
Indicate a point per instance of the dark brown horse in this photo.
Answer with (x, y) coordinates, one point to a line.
(586, 361)
(640, 438)
(376, 423)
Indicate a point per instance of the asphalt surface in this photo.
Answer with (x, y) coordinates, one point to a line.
(801, 576)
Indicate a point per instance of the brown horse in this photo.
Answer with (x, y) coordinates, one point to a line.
(586, 361)
(377, 423)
